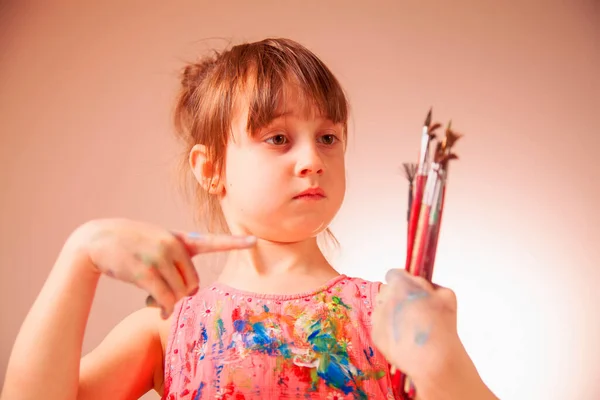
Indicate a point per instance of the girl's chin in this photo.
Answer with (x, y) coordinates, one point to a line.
(293, 234)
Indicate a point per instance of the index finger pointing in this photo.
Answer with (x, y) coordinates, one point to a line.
(197, 243)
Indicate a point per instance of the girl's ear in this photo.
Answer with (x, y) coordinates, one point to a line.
(204, 170)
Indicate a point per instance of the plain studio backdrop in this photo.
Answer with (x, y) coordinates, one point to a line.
(86, 96)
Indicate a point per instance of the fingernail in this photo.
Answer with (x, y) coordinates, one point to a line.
(163, 313)
(251, 239)
(151, 302)
(194, 235)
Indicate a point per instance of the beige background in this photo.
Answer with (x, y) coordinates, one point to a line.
(85, 99)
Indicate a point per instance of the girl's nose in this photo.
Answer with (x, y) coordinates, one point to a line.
(310, 162)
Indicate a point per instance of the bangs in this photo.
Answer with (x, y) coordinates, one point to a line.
(277, 72)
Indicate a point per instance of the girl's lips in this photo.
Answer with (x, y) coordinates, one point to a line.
(312, 193)
(309, 197)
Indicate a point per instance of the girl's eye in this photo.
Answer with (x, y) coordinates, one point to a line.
(277, 140)
(328, 139)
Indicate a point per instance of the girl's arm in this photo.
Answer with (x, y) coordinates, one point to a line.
(45, 360)
(128, 362)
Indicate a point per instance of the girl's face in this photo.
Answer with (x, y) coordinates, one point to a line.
(266, 173)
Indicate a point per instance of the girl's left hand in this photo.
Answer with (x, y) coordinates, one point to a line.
(415, 327)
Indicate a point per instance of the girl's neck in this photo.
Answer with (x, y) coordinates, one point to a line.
(283, 268)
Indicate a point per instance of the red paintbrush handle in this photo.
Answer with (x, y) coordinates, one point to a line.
(420, 244)
(429, 256)
(420, 181)
(398, 382)
(412, 392)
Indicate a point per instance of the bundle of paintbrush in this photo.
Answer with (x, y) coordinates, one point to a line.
(427, 190)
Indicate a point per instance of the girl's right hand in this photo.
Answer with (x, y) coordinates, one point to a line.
(154, 259)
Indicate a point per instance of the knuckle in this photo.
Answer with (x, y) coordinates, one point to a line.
(452, 299)
(448, 298)
(448, 293)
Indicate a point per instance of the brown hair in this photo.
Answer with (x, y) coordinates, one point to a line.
(261, 70)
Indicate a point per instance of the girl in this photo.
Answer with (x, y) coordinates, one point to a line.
(265, 128)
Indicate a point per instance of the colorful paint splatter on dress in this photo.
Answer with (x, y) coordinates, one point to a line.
(230, 344)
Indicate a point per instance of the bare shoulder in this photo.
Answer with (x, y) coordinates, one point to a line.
(129, 361)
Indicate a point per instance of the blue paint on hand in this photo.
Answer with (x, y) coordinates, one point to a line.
(421, 338)
(412, 296)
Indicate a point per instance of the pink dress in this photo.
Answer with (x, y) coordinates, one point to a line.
(230, 344)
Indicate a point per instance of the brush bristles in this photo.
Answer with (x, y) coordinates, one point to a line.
(410, 171)
(428, 118)
(450, 139)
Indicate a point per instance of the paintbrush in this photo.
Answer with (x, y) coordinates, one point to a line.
(440, 167)
(428, 227)
(416, 174)
(419, 183)
(424, 224)
(410, 171)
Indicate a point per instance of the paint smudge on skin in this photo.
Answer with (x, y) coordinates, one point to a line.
(146, 259)
(399, 307)
(101, 234)
(421, 337)
(138, 276)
